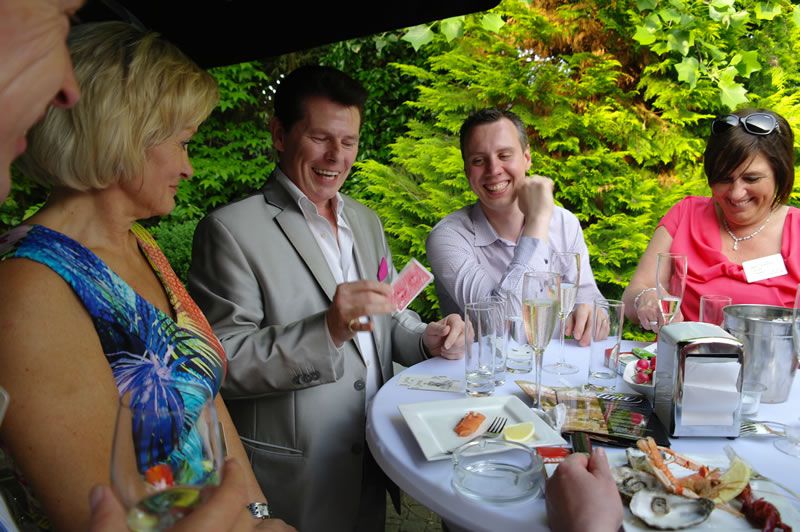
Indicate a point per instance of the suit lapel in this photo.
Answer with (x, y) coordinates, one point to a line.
(365, 251)
(294, 226)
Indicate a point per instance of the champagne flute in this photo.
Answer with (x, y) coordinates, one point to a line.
(671, 271)
(541, 295)
(568, 264)
(167, 451)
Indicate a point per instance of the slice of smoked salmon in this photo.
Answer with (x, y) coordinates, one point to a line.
(469, 423)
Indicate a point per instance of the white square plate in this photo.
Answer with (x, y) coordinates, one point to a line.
(432, 422)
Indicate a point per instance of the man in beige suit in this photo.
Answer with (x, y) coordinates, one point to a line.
(289, 279)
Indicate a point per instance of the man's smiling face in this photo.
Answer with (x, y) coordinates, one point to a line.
(318, 152)
(495, 164)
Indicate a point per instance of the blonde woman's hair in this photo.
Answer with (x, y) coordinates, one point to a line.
(137, 90)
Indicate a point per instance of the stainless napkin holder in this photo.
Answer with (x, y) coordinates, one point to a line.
(700, 342)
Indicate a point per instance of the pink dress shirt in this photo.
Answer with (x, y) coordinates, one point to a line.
(695, 232)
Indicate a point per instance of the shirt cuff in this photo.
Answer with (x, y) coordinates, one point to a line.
(527, 249)
(331, 343)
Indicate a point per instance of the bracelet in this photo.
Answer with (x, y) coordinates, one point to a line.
(639, 296)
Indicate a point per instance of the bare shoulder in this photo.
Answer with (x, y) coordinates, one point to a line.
(30, 286)
(45, 326)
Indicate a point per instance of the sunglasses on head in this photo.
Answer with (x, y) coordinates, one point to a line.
(755, 123)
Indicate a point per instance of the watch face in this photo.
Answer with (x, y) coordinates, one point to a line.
(260, 510)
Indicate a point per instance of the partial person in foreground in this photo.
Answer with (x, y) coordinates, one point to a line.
(89, 304)
(291, 280)
(740, 242)
(581, 495)
(514, 226)
(35, 71)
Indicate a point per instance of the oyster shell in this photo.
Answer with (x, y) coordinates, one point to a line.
(630, 480)
(638, 460)
(666, 511)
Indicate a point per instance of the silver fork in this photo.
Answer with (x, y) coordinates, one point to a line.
(495, 427)
(755, 475)
(494, 430)
(751, 427)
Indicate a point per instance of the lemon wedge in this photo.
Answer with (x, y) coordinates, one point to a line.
(519, 432)
(733, 481)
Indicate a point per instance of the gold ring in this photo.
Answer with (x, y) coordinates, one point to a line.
(350, 325)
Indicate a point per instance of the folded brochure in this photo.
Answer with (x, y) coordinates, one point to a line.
(609, 417)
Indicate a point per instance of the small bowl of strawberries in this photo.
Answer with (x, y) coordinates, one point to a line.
(640, 373)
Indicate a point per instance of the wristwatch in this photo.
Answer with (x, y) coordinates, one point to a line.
(259, 510)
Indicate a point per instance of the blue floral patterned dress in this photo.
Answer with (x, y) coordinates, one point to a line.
(143, 345)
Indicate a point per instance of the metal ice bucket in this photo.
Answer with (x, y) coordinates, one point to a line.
(766, 333)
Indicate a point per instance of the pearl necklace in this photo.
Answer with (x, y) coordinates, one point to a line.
(737, 239)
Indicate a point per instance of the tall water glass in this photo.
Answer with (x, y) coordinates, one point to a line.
(607, 323)
(711, 306)
(499, 304)
(541, 296)
(167, 451)
(671, 269)
(480, 328)
(519, 355)
(568, 264)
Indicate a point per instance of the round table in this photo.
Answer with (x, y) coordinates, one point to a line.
(396, 450)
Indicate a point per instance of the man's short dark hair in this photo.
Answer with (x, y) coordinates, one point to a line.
(489, 116)
(315, 81)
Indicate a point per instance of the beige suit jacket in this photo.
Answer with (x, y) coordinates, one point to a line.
(299, 406)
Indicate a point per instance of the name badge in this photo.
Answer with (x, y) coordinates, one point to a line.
(764, 268)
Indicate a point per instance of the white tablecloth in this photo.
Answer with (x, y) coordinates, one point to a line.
(398, 453)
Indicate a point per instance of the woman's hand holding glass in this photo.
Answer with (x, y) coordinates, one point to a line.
(671, 270)
(168, 450)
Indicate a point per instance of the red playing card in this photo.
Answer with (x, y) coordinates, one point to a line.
(409, 283)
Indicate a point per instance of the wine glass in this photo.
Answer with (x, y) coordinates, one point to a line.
(541, 295)
(790, 442)
(711, 308)
(167, 452)
(671, 271)
(568, 264)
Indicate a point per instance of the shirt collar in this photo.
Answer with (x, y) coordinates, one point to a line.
(305, 204)
(485, 235)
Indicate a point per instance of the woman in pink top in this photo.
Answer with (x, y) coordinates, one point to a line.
(738, 241)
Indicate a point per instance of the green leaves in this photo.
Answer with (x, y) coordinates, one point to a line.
(647, 32)
(418, 36)
(732, 94)
(452, 28)
(492, 22)
(767, 11)
(717, 43)
(688, 71)
(746, 63)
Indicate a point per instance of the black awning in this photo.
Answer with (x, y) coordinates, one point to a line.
(224, 32)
